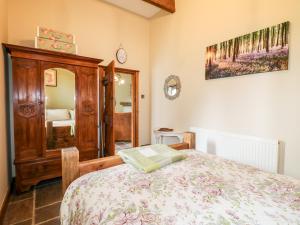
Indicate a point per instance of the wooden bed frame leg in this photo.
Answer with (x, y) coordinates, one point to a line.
(70, 166)
(189, 137)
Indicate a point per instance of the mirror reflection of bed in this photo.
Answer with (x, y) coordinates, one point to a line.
(59, 108)
(123, 111)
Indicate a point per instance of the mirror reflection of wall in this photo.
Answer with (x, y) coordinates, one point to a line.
(59, 108)
(123, 93)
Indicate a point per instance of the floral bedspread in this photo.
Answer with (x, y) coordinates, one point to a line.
(202, 189)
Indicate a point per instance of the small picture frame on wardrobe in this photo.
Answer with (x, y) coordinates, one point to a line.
(51, 78)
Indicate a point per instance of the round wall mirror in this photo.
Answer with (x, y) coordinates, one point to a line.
(172, 87)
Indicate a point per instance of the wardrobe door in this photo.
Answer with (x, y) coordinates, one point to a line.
(27, 109)
(87, 112)
(109, 109)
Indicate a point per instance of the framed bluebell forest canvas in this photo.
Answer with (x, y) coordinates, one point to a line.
(262, 51)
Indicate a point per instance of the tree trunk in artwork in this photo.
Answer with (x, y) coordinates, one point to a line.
(259, 41)
(263, 39)
(209, 57)
(225, 50)
(286, 33)
(229, 48)
(278, 34)
(282, 35)
(272, 37)
(267, 39)
(235, 49)
(253, 41)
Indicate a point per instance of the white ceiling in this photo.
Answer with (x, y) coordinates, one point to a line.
(136, 6)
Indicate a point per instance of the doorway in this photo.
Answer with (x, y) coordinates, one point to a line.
(120, 109)
(126, 105)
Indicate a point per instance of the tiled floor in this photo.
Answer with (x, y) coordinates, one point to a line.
(38, 206)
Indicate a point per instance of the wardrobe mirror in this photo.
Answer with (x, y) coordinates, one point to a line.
(59, 89)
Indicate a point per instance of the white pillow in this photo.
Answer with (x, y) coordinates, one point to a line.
(57, 114)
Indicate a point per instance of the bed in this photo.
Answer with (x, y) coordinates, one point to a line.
(202, 189)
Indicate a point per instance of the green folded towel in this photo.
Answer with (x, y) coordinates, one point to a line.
(150, 158)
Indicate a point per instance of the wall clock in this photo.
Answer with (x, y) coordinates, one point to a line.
(121, 55)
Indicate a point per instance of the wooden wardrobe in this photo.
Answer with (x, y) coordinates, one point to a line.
(25, 70)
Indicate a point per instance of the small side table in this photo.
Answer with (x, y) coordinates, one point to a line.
(159, 135)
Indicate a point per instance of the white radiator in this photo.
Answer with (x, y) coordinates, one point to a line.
(258, 152)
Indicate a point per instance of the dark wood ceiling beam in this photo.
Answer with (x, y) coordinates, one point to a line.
(168, 5)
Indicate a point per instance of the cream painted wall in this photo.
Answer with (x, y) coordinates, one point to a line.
(99, 28)
(3, 151)
(265, 105)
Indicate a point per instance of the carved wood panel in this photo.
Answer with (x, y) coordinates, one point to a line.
(87, 112)
(27, 110)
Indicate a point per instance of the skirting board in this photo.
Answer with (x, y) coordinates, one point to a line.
(4, 206)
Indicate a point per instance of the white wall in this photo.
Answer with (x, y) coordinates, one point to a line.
(3, 151)
(265, 105)
(99, 28)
